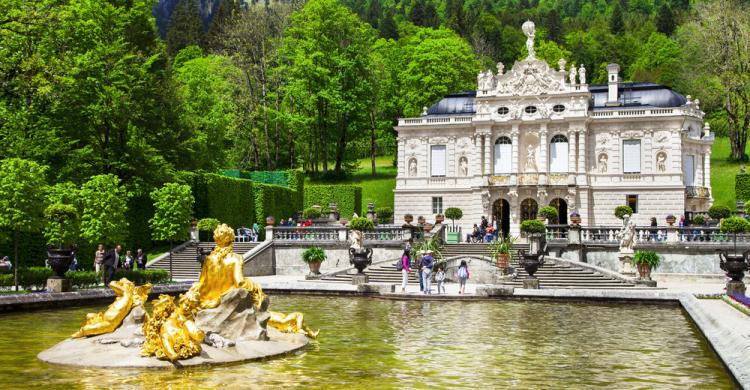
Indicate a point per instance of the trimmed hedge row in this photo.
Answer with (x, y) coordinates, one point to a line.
(227, 199)
(274, 200)
(348, 198)
(296, 182)
(31, 248)
(36, 277)
(742, 186)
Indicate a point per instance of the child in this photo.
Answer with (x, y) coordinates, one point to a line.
(463, 275)
(440, 278)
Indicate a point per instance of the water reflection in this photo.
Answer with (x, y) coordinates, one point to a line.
(368, 343)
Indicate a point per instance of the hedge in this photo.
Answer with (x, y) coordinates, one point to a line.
(742, 186)
(36, 277)
(32, 249)
(274, 200)
(348, 198)
(227, 199)
(296, 182)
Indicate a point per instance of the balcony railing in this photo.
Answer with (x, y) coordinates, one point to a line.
(697, 192)
(336, 233)
(442, 120)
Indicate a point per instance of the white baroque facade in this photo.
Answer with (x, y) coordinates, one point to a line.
(534, 136)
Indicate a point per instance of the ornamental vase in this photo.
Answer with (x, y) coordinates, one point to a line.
(315, 267)
(59, 260)
(360, 258)
(735, 266)
(644, 271)
(531, 263)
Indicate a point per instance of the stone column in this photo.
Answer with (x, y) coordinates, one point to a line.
(488, 153)
(480, 137)
(707, 171)
(582, 171)
(514, 148)
(571, 155)
(402, 157)
(452, 161)
(543, 164)
(424, 170)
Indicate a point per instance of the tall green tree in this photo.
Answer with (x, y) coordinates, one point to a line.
(665, 22)
(105, 206)
(185, 27)
(173, 207)
(658, 61)
(617, 20)
(23, 185)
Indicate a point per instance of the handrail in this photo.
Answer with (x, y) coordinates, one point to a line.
(336, 233)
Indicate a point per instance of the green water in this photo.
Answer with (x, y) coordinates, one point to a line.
(369, 343)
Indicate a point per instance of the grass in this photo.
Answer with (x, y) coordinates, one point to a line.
(722, 173)
(377, 189)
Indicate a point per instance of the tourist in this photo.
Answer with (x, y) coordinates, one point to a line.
(5, 263)
(489, 233)
(255, 233)
(404, 265)
(202, 253)
(109, 263)
(74, 264)
(140, 259)
(463, 276)
(427, 264)
(682, 221)
(475, 234)
(440, 279)
(98, 257)
(654, 231)
(494, 227)
(419, 271)
(483, 224)
(129, 261)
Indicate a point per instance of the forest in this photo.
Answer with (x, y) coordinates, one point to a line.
(142, 89)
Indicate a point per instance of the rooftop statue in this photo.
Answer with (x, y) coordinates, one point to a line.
(529, 29)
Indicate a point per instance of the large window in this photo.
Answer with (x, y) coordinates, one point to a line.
(437, 205)
(632, 201)
(689, 170)
(631, 156)
(438, 160)
(503, 155)
(558, 154)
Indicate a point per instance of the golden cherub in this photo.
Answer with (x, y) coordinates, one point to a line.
(128, 296)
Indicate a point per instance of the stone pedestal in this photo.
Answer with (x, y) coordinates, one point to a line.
(312, 276)
(56, 285)
(360, 279)
(735, 287)
(626, 264)
(645, 282)
(531, 283)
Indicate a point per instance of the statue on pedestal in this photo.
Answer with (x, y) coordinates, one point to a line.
(529, 29)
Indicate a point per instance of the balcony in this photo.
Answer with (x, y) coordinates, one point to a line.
(697, 192)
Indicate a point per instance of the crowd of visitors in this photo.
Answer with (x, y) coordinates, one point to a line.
(484, 232)
(425, 266)
(107, 262)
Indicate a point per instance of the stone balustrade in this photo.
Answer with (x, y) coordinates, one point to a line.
(336, 233)
(652, 235)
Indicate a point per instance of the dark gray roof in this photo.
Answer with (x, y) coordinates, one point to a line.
(455, 103)
(638, 95)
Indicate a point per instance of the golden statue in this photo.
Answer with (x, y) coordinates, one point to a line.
(170, 332)
(128, 296)
(291, 323)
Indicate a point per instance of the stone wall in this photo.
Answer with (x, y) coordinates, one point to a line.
(262, 263)
(288, 257)
(674, 259)
(651, 203)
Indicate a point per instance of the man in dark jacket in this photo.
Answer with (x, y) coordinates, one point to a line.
(110, 261)
(141, 259)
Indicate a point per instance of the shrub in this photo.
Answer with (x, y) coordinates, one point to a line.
(646, 257)
(36, 277)
(311, 213)
(742, 186)
(273, 200)
(501, 246)
(454, 213)
(622, 211)
(699, 220)
(532, 226)
(62, 221)
(362, 224)
(734, 225)
(348, 198)
(718, 212)
(208, 224)
(227, 199)
(314, 255)
(549, 212)
(384, 214)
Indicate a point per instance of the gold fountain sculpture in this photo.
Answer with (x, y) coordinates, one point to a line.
(170, 331)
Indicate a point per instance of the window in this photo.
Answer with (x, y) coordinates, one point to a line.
(558, 108)
(632, 201)
(437, 161)
(503, 157)
(688, 168)
(503, 110)
(530, 109)
(437, 205)
(631, 156)
(558, 153)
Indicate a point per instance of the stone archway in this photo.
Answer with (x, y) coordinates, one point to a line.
(562, 210)
(501, 213)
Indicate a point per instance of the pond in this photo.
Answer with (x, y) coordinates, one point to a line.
(370, 343)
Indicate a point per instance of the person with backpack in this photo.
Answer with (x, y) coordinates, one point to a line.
(427, 264)
(403, 266)
(463, 276)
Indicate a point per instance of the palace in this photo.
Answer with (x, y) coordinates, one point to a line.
(534, 136)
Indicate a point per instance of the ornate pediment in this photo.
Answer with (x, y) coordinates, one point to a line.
(529, 77)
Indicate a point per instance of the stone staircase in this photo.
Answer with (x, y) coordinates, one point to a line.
(550, 275)
(185, 265)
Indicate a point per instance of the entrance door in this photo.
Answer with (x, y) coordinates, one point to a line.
(562, 210)
(529, 208)
(501, 213)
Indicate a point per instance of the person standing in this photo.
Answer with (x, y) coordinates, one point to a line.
(109, 262)
(129, 260)
(440, 279)
(404, 265)
(427, 264)
(140, 259)
(98, 257)
(463, 276)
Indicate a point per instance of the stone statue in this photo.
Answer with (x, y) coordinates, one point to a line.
(128, 297)
(602, 163)
(291, 323)
(463, 167)
(661, 162)
(626, 235)
(529, 29)
(572, 75)
(582, 74)
(357, 239)
(412, 167)
(561, 64)
(424, 110)
(531, 159)
(484, 80)
(500, 68)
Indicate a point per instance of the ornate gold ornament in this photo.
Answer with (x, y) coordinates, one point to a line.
(128, 296)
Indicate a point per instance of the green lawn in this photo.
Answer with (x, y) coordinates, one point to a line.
(722, 173)
(377, 189)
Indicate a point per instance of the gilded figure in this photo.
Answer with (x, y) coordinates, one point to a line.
(128, 296)
(291, 323)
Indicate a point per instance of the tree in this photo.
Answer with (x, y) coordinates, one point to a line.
(616, 20)
(185, 27)
(105, 205)
(454, 213)
(23, 185)
(658, 61)
(173, 208)
(387, 26)
(665, 23)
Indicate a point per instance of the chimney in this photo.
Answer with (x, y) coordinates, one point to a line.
(612, 80)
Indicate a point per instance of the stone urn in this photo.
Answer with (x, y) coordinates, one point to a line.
(270, 220)
(644, 271)
(531, 263)
(735, 267)
(59, 260)
(420, 220)
(575, 219)
(360, 258)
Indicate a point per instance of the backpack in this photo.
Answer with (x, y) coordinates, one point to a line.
(400, 264)
(462, 273)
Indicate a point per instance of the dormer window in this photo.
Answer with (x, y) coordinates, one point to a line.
(503, 110)
(530, 109)
(558, 108)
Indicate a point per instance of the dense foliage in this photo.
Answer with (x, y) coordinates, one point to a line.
(717, 212)
(622, 211)
(533, 226)
(348, 198)
(454, 213)
(105, 206)
(650, 258)
(549, 213)
(385, 214)
(734, 225)
(173, 206)
(362, 224)
(314, 254)
(36, 277)
(742, 186)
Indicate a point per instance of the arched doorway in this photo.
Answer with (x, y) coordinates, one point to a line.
(501, 213)
(529, 209)
(562, 210)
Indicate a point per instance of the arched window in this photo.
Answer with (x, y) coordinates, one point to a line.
(503, 150)
(558, 154)
(529, 208)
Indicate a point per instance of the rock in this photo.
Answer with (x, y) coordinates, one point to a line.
(134, 342)
(108, 340)
(235, 318)
(215, 340)
(136, 316)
